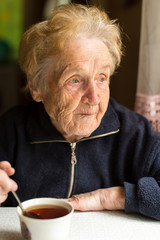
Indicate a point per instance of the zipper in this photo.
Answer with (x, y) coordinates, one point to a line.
(73, 163)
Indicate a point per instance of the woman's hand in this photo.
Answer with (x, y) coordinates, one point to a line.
(109, 198)
(6, 183)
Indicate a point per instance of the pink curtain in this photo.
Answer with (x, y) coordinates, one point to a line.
(147, 100)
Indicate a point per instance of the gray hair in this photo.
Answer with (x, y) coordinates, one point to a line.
(46, 39)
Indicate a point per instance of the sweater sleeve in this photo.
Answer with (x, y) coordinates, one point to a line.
(144, 196)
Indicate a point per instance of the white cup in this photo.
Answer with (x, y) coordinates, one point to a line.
(45, 229)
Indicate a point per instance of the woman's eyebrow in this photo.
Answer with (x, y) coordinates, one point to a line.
(76, 67)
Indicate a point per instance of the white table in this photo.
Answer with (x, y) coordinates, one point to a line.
(105, 225)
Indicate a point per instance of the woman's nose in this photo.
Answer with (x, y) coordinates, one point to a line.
(91, 94)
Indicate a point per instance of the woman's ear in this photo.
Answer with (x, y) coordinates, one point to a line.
(35, 93)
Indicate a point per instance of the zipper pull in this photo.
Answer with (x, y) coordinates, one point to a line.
(73, 155)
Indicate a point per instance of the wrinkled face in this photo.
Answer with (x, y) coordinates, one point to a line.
(79, 88)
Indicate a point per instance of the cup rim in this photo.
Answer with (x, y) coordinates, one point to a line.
(50, 201)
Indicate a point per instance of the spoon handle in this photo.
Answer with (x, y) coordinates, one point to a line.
(18, 200)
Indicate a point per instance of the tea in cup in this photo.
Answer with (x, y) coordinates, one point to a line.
(51, 221)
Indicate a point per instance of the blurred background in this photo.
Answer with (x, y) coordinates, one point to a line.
(17, 15)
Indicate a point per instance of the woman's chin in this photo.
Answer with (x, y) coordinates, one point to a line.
(80, 133)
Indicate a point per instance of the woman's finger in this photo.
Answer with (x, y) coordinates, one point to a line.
(6, 183)
(87, 201)
(6, 166)
(3, 195)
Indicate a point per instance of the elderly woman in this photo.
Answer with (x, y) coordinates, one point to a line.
(74, 141)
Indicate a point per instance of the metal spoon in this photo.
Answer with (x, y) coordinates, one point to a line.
(25, 213)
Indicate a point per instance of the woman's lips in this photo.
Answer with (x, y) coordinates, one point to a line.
(86, 114)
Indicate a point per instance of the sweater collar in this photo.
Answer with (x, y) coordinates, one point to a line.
(40, 128)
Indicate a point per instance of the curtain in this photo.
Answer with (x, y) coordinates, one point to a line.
(147, 100)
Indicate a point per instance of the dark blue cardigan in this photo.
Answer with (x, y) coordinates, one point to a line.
(123, 151)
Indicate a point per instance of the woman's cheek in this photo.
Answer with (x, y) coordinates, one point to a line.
(71, 98)
(64, 104)
(104, 103)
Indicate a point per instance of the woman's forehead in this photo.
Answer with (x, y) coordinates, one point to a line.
(82, 50)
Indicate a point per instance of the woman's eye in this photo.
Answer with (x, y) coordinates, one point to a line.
(74, 80)
(73, 83)
(101, 79)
